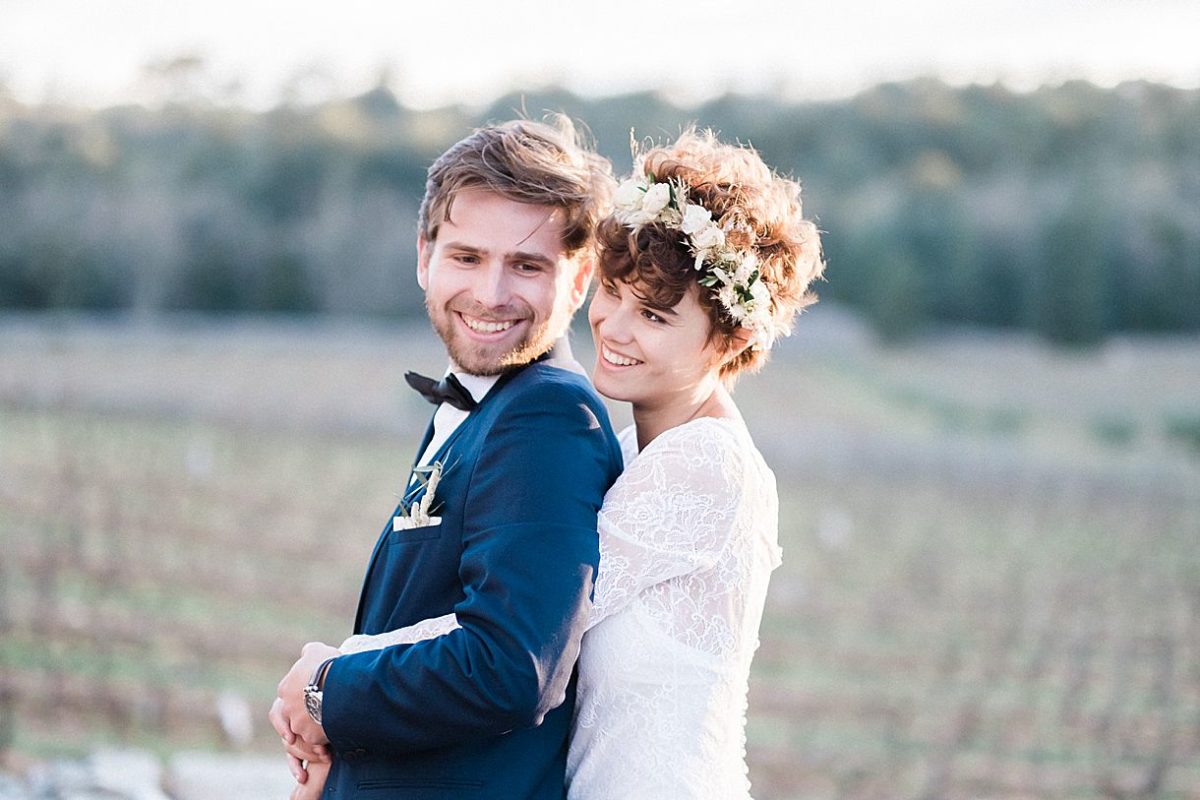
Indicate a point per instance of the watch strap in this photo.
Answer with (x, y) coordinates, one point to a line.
(318, 676)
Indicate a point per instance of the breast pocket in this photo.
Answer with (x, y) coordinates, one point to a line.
(403, 530)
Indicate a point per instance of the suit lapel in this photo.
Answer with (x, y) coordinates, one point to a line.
(362, 594)
(560, 349)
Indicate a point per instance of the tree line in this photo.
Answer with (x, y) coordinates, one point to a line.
(1072, 211)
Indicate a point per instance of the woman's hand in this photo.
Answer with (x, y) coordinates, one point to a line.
(315, 784)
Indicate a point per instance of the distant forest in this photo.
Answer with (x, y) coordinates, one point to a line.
(1072, 211)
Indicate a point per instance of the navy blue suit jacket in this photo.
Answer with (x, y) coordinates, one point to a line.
(484, 711)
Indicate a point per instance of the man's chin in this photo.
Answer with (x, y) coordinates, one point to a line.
(474, 358)
(473, 362)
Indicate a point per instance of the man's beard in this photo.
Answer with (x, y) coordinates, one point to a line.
(536, 342)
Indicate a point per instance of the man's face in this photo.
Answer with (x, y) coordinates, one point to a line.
(498, 286)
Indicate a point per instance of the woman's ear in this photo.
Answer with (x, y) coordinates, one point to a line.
(738, 343)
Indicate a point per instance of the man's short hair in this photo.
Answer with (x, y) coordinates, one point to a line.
(540, 163)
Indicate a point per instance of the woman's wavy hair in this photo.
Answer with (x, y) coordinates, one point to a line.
(731, 181)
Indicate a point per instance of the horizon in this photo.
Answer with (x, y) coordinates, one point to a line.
(680, 103)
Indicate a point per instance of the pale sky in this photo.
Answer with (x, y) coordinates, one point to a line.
(95, 52)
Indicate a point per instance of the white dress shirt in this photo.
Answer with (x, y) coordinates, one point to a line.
(447, 418)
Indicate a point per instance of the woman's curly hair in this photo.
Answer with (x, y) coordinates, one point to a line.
(734, 184)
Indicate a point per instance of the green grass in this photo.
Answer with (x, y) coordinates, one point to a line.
(989, 586)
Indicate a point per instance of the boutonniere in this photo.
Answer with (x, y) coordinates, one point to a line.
(419, 514)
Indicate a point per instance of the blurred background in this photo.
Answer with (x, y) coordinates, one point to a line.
(986, 435)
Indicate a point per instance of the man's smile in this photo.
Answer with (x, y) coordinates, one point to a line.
(487, 327)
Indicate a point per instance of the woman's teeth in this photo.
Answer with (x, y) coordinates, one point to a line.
(617, 359)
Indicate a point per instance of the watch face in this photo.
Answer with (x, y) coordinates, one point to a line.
(312, 702)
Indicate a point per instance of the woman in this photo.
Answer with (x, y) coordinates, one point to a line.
(703, 263)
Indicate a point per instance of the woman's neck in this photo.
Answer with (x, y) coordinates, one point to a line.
(652, 420)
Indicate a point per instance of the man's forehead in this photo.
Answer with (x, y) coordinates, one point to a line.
(526, 226)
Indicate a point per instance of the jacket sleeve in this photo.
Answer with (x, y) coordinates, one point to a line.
(527, 567)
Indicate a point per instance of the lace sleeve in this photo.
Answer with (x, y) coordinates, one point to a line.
(417, 632)
(670, 513)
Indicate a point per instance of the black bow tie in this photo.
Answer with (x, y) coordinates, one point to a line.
(447, 390)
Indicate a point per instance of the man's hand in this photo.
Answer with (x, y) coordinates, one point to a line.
(300, 754)
(302, 737)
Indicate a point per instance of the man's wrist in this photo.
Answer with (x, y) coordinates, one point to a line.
(318, 677)
(314, 692)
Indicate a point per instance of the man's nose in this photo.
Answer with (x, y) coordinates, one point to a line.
(493, 288)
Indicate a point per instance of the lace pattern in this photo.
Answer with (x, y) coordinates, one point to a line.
(688, 539)
(420, 631)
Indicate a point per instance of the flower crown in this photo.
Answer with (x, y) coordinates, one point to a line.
(731, 272)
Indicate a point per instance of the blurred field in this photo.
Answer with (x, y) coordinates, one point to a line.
(991, 580)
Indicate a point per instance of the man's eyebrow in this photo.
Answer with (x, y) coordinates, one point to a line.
(521, 255)
(464, 246)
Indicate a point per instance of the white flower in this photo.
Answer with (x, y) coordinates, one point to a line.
(748, 303)
(656, 199)
(746, 268)
(629, 195)
(727, 297)
(695, 219)
(762, 295)
(639, 217)
(709, 237)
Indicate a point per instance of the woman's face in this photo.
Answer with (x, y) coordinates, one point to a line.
(650, 356)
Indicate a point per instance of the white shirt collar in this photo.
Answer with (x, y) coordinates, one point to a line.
(477, 385)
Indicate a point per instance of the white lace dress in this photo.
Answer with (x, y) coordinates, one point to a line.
(688, 540)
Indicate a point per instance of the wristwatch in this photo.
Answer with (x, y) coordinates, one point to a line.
(314, 693)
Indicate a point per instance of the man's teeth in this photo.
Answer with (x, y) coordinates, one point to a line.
(488, 327)
(619, 360)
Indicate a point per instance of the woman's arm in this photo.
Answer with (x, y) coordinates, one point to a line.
(318, 771)
(417, 632)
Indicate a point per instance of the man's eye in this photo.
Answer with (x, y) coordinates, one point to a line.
(464, 258)
(525, 266)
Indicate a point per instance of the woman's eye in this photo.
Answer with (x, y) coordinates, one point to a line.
(650, 315)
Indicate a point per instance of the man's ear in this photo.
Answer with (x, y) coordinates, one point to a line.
(584, 269)
(424, 251)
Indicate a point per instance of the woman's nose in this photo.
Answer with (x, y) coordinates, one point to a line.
(614, 323)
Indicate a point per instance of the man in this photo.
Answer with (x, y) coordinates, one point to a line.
(507, 540)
